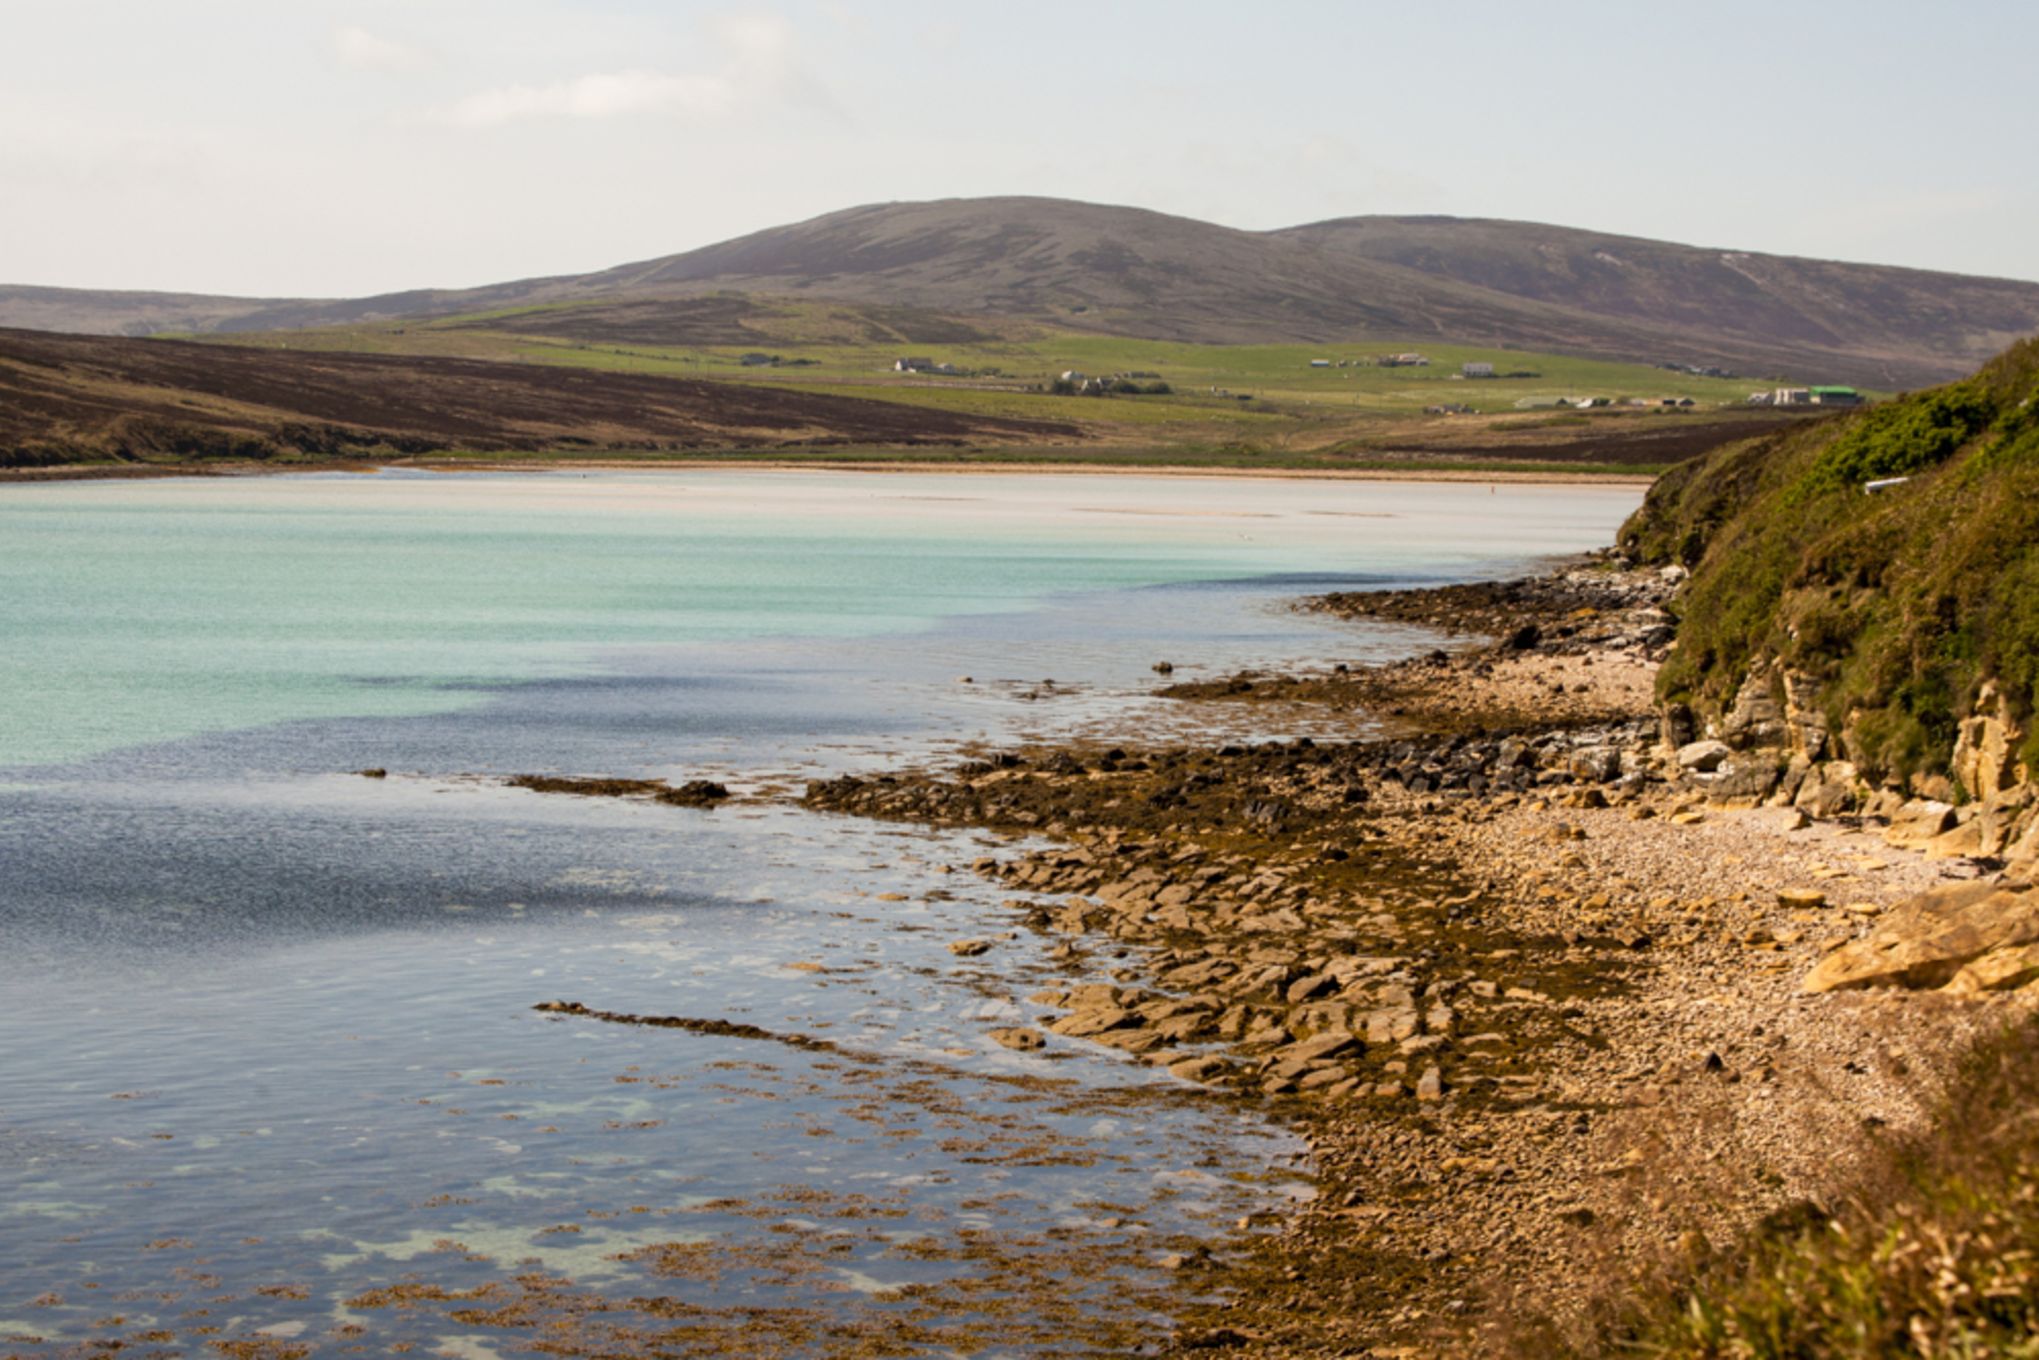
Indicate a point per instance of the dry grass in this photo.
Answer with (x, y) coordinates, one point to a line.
(1928, 1248)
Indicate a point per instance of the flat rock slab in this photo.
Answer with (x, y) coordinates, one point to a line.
(1931, 940)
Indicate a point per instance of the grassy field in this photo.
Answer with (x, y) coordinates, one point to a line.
(1262, 405)
(843, 347)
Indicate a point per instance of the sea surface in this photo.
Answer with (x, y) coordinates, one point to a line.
(270, 1072)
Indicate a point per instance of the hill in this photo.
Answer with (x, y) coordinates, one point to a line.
(1897, 631)
(69, 399)
(1908, 321)
(1130, 272)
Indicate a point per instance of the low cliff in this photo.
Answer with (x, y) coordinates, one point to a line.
(1862, 613)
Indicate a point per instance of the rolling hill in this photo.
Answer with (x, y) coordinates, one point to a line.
(1131, 272)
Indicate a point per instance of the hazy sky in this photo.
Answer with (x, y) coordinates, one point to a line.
(330, 147)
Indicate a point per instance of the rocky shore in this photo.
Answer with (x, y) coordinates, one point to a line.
(1532, 978)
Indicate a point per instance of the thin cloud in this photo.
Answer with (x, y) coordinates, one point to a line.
(755, 64)
(364, 51)
(608, 95)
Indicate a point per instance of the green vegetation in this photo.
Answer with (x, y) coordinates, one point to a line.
(851, 346)
(1902, 604)
(1932, 1251)
(593, 380)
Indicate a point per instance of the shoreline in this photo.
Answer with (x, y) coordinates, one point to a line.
(1531, 994)
(1511, 477)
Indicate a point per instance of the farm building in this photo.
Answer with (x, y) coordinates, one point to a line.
(1477, 369)
(1836, 396)
(914, 364)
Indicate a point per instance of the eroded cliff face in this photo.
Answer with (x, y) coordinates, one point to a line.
(1773, 744)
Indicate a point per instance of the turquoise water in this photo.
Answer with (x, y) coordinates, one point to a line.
(145, 612)
(271, 1044)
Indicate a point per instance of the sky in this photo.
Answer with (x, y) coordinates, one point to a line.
(345, 147)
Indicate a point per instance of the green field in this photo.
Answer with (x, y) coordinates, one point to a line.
(1002, 371)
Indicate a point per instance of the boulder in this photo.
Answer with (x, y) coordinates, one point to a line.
(1703, 757)
(1963, 842)
(1330, 1044)
(1084, 1024)
(1828, 790)
(1204, 1067)
(1747, 780)
(1915, 824)
(1019, 1038)
(1932, 939)
(2002, 970)
(1596, 764)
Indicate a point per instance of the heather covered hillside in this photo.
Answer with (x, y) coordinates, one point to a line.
(976, 264)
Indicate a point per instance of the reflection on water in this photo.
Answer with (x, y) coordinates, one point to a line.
(273, 1118)
(271, 1075)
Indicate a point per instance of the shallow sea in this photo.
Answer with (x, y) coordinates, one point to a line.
(269, 1068)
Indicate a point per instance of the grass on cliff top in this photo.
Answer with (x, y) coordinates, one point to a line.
(1900, 604)
(1932, 1250)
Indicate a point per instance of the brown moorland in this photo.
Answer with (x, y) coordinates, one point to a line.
(70, 398)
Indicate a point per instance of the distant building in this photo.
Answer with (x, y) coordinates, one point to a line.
(1791, 396)
(1320, 363)
(1449, 408)
(1072, 375)
(1407, 359)
(1836, 396)
(1477, 369)
(913, 365)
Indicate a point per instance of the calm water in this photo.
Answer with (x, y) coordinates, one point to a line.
(268, 1044)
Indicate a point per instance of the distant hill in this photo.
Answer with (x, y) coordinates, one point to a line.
(74, 398)
(1127, 271)
(1911, 321)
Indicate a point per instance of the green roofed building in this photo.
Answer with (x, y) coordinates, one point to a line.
(1836, 396)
